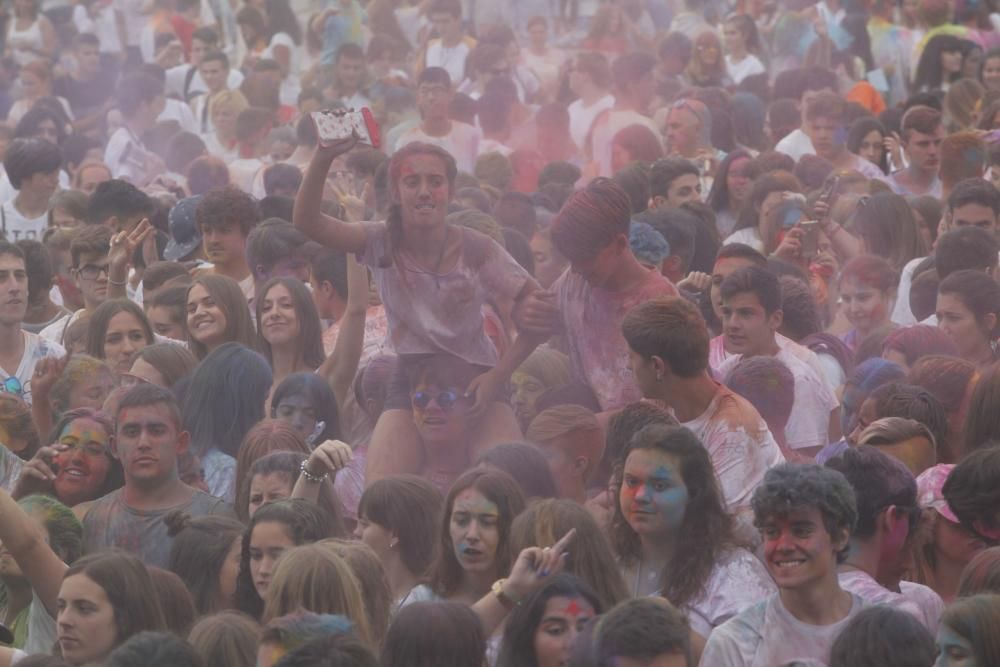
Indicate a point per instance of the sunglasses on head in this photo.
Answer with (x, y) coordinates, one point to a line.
(446, 400)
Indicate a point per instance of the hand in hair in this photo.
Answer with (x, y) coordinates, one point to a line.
(696, 281)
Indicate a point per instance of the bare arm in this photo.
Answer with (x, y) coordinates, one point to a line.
(331, 232)
(22, 537)
(325, 462)
(341, 366)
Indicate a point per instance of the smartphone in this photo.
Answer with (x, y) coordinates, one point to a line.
(335, 124)
(792, 210)
(810, 238)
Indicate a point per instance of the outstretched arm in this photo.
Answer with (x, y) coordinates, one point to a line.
(333, 233)
(23, 539)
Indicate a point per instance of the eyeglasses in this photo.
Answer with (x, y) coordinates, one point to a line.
(12, 386)
(92, 271)
(446, 400)
(93, 449)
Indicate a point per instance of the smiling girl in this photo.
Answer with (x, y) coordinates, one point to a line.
(867, 295)
(117, 330)
(78, 465)
(217, 313)
(288, 329)
(673, 534)
(434, 280)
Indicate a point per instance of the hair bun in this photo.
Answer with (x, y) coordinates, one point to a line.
(176, 521)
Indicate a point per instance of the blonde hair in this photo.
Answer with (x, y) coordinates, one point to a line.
(313, 577)
(368, 570)
(232, 99)
(891, 430)
(564, 420)
(549, 366)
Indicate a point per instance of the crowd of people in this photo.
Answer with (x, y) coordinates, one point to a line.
(638, 333)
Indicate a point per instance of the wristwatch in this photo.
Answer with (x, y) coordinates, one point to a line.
(506, 600)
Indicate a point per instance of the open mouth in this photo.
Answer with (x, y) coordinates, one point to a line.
(788, 563)
(74, 472)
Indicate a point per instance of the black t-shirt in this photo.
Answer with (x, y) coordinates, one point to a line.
(86, 97)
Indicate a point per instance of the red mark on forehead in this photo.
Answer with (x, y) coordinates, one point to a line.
(573, 608)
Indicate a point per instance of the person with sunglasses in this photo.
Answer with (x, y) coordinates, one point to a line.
(886, 496)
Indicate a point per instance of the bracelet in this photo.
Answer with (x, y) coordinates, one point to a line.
(315, 479)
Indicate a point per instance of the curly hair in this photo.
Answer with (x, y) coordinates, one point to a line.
(794, 486)
(707, 527)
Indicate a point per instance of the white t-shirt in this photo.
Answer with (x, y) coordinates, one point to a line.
(809, 423)
(243, 171)
(450, 58)
(125, 156)
(796, 144)
(581, 117)
(36, 348)
(739, 443)
(738, 581)
(290, 85)
(177, 110)
(15, 227)
(901, 313)
(102, 26)
(462, 142)
(747, 236)
(177, 76)
(749, 66)
(916, 599)
(767, 635)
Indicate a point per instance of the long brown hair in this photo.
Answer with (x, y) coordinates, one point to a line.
(232, 302)
(498, 487)
(310, 338)
(129, 588)
(707, 528)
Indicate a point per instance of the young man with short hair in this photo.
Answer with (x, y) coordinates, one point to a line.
(90, 270)
(572, 442)
(808, 82)
(20, 351)
(225, 219)
(118, 205)
(973, 202)
(348, 85)
(276, 249)
(886, 496)
(805, 514)
(253, 124)
(149, 440)
(214, 70)
(32, 165)
(604, 282)
(140, 100)
(645, 632)
(824, 121)
(921, 133)
(751, 317)
(185, 81)
(434, 94)
(89, 87)
(673, 181)
(668, 356)
(451, 46)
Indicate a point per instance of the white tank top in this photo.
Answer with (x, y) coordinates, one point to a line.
(33, 35)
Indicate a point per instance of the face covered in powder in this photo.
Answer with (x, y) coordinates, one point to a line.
(653, 496)
(475, 531)
(83, 462)
(423, 192)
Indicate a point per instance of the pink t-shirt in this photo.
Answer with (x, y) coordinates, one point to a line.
(430, 313)
(739, 443)
(592, 320)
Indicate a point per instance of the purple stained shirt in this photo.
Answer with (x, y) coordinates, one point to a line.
(429, 313)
